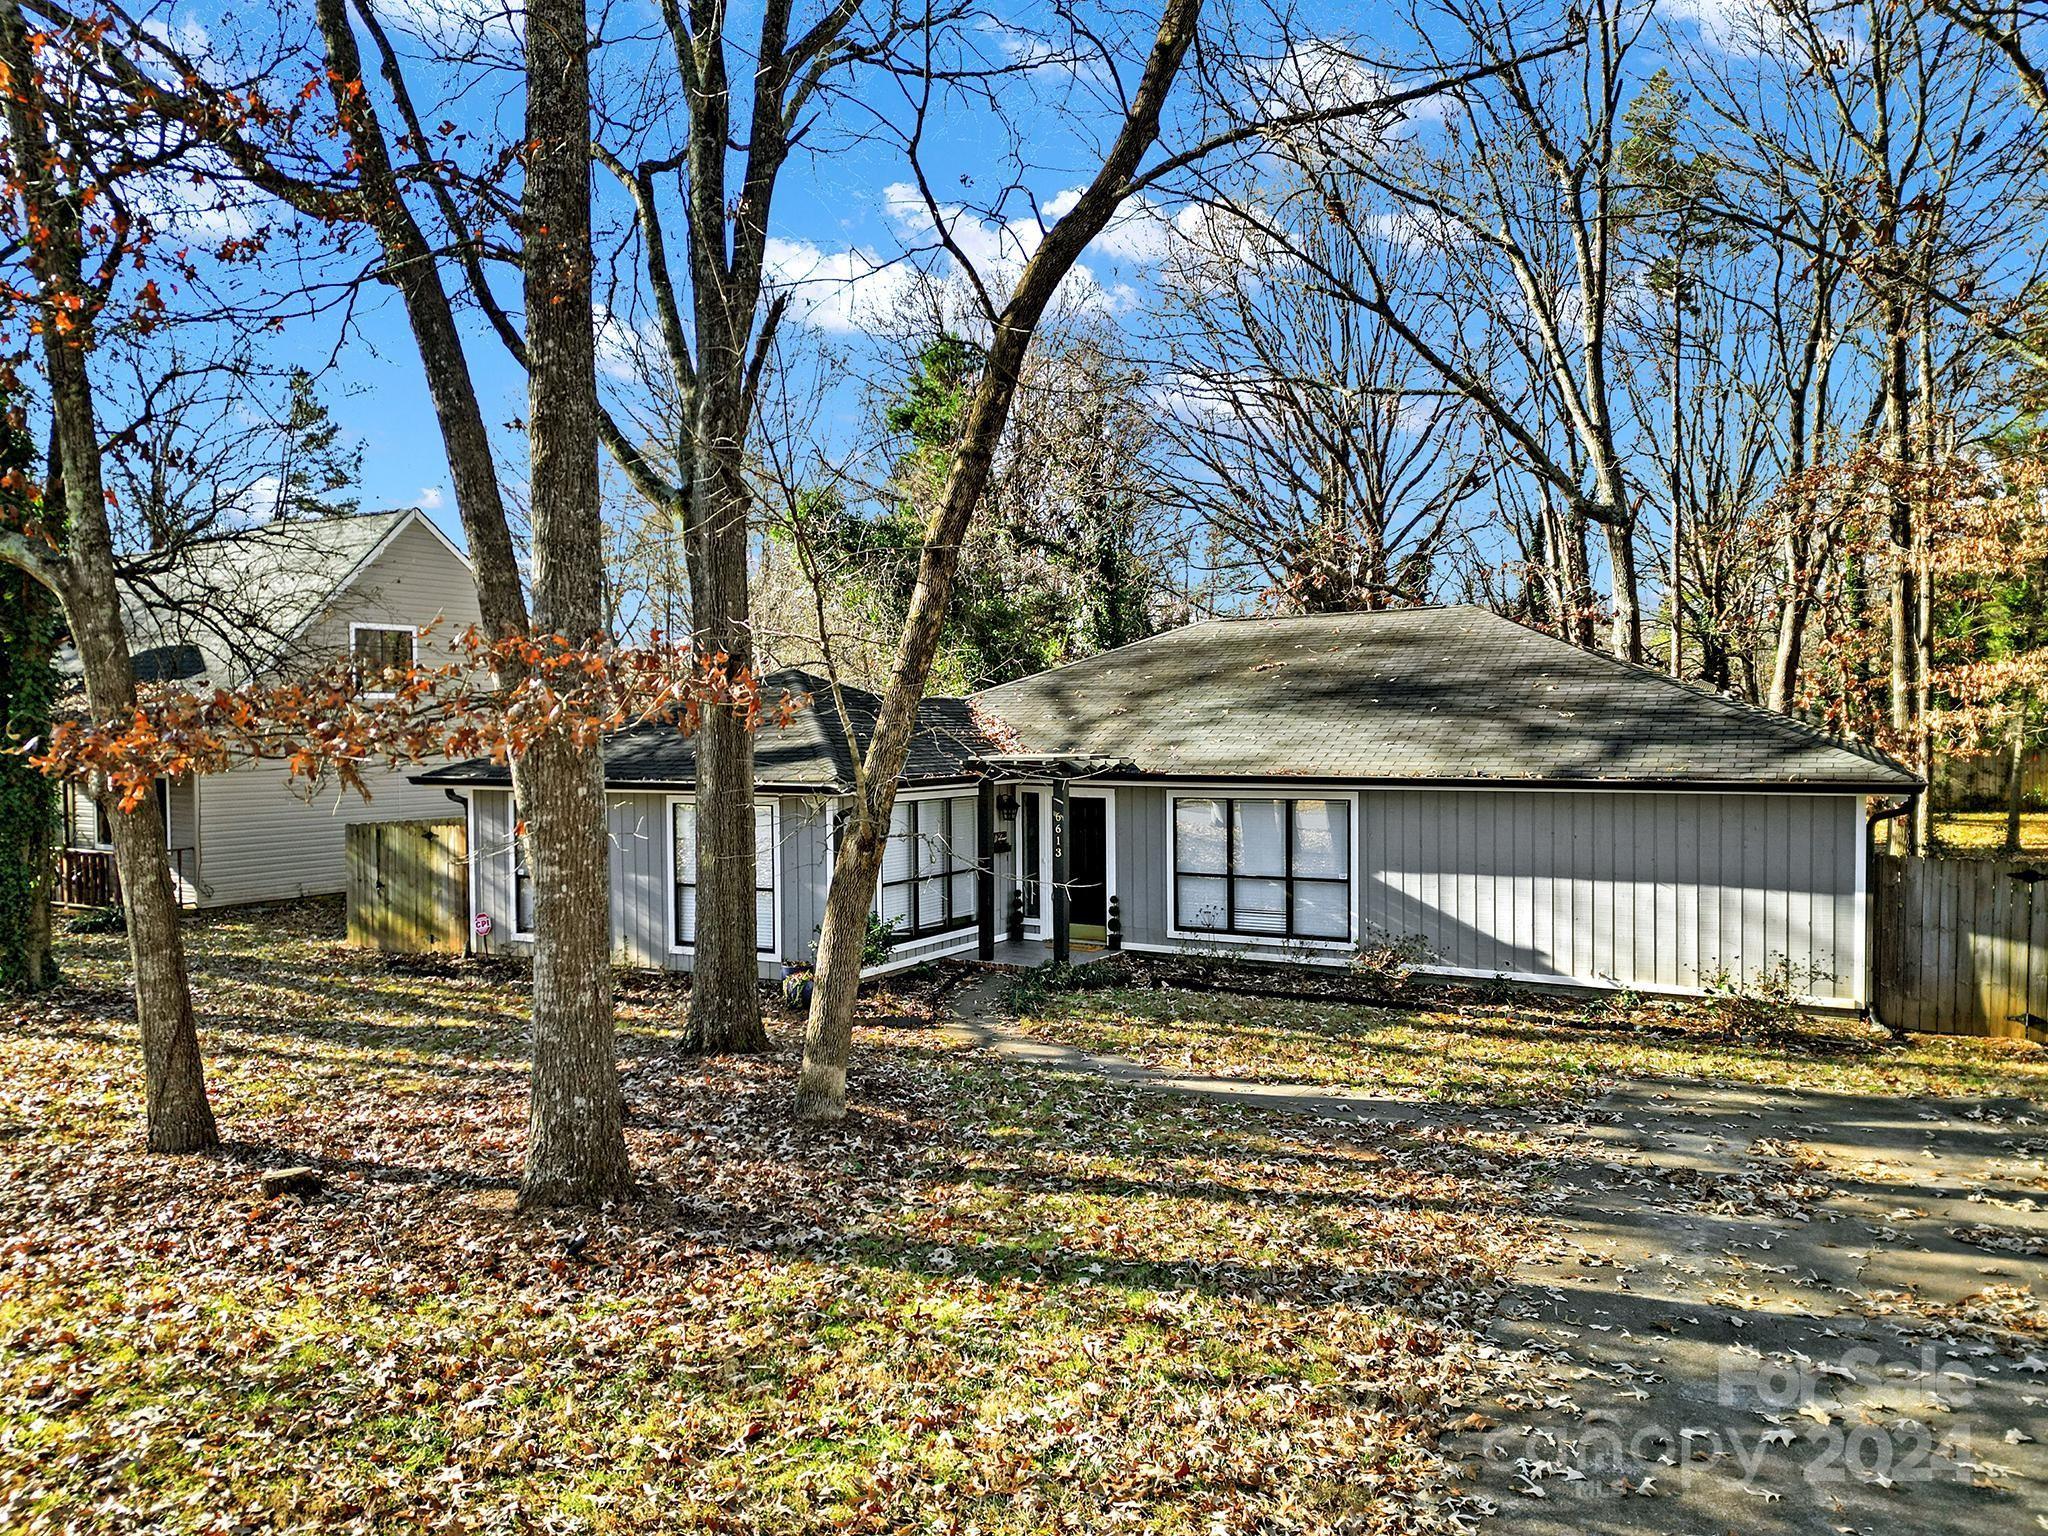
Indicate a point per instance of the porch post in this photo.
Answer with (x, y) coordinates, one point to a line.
(985, 869)
(1062, 937)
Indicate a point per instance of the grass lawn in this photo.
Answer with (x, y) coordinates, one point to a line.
(1534, 1052)
(992, 1301)
(1983, 832)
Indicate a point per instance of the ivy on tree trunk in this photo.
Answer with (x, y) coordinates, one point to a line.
(28, 686)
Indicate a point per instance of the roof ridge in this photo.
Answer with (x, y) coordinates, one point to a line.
(1095, 656)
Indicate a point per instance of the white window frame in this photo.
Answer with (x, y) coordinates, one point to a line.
(772, 950)
(512, 873)
(1176, 793)
(410, 631)
(1039, 927)
(903, 797)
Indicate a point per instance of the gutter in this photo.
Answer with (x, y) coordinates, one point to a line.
(468, 868)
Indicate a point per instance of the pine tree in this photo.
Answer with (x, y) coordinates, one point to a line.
(317, 461)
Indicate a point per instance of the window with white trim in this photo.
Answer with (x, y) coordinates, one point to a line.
(522, 888)
(89, 824)
(683, 906)
(377, 649)
(1262, 868)
(929, 863)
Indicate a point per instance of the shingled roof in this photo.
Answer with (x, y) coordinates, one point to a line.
(235, 605)
(1428, 695)
(810, 753)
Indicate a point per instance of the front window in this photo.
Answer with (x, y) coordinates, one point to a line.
(376, 650)
(1263, 868)
(683, 920)
(928, 867)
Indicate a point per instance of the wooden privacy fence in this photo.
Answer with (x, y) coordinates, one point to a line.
(408, 886)
(1960, 946)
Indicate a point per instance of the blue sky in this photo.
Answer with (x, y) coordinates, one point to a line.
(843, 208)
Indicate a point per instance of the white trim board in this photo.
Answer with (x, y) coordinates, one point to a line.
(1288, 942)
(772, 951)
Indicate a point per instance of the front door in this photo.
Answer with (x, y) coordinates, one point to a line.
(1088, 869)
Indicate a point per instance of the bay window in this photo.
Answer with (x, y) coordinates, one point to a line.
(683, 909)
(928, 867)
(1262, 868)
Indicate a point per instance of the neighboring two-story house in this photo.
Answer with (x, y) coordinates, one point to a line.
(262, 602)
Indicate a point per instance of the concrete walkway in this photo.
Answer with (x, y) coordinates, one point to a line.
(978, 1015)
(1780, 1312)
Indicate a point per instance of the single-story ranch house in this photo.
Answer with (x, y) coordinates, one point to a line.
(1289, 788)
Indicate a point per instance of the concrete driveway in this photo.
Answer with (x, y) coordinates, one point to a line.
(1777, 1311)
(1786, 1312)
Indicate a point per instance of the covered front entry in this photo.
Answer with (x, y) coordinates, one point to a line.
(1079, 848)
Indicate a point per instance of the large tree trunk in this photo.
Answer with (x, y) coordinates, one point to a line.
(725, 996)
(1677, 577)
(1923, 616)
(1617, 529)
(828, 1038)
(1792, 619)
(1904, 595)
(576, 1150)
(179, 1116)
(576, 1144)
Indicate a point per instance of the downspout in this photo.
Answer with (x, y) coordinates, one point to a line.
(1871, 821)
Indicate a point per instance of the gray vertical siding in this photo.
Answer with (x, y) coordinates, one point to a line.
(638, 827)
(804, 867)
(1143, 863)
(1643, 890)
(1657, 891)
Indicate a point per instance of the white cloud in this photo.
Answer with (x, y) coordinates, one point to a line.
(625, 352)
(257, 502)
(843, 292)
(858, 289)
(1754, 28)
(429, 498)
